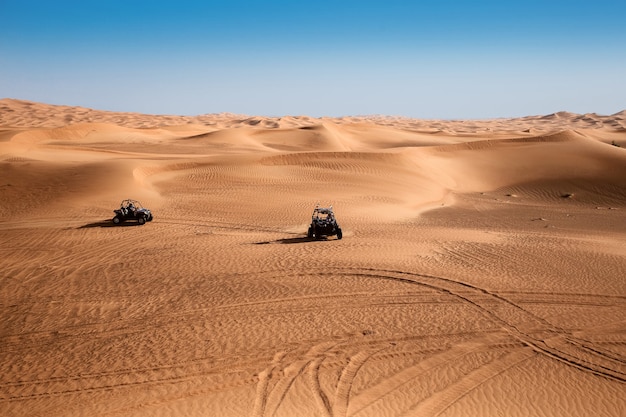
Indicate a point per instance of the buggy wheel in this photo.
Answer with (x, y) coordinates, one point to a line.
(150, 218)
(141, 220)
(339, 234)
(116, 220)
(310, 233)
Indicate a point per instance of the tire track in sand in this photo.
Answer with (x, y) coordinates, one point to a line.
(537, 336)
(269, 398)
(525, 326)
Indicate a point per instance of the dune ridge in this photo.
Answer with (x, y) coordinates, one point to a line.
(27, 114)
(481, 270)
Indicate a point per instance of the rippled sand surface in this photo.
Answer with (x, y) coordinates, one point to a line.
(481, 270)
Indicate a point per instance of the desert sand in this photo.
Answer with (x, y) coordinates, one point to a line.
(482, 270)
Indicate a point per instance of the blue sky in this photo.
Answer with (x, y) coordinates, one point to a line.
(425, 59)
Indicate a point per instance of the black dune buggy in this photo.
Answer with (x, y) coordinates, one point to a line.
(323, 223)
(132, 210)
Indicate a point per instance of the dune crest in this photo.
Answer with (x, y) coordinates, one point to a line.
(481, 267)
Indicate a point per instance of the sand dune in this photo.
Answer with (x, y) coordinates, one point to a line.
(481, 270)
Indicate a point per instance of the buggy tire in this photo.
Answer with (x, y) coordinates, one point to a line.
(310, 233)
(141, 220)
(150, 218)
(116, 220)
(339, 234)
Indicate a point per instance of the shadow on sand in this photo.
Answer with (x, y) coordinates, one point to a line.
(107, 223)
(292, 240)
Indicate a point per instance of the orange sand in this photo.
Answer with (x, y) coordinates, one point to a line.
(481, 273)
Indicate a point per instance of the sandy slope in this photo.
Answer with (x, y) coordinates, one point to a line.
(481, 271)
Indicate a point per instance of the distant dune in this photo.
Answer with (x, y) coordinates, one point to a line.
(481, 270)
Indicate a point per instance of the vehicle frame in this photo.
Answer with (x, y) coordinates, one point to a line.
(324, 223)
(132, 210)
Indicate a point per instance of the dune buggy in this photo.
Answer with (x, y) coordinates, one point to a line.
(132, 210)
(323, 223)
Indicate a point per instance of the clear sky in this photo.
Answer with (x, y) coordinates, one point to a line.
(425, 59)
